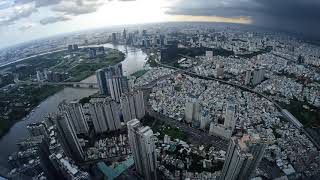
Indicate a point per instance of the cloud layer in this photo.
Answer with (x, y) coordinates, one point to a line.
(297, 16)
(10, 12)
(54, 19)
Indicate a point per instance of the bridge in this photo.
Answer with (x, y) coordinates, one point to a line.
(73, 84)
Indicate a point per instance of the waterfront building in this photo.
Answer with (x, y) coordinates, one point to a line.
(132, 105)
(73, 111)
(141, 140)
(102, 82)
(37, 129)
(243, 157)
(112, 82)
(104, 114)
(68, 138)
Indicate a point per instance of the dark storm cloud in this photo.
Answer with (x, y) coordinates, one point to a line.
(298, 16)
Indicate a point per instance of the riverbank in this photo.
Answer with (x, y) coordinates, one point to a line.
(18, 101)
(135, 60)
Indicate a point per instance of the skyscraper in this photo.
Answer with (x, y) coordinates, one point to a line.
(230, 113)
(47, 166)
(102, 82)
(104, 114)
(192, 110)
(142, 144)
(243, 157)
(124, 34)
(112, 82)
(118, 85)
(68, 138)
(73, 111)
(114, 38)
(132, 105)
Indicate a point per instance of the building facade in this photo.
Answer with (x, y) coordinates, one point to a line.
(132, 105)
(141, 140)
(192, 111)
(254, 76)
(243, 157)
(104, 113)
(112, 82)
(73, 111)
(68, 138)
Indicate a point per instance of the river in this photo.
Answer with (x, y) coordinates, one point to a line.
(134, 61)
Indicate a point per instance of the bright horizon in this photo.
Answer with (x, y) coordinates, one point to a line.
(48, 20)
(24, 20)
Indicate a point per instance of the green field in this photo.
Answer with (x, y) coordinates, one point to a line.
(80, 67)
(308, 117)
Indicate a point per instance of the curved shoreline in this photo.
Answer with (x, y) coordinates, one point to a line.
(135, 60)
(12, 122)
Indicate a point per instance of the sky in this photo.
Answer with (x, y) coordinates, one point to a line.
(23, 20)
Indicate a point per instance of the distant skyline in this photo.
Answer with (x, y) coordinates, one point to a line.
(24, 20)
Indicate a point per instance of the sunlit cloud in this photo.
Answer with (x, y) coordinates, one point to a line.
(190, 18)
